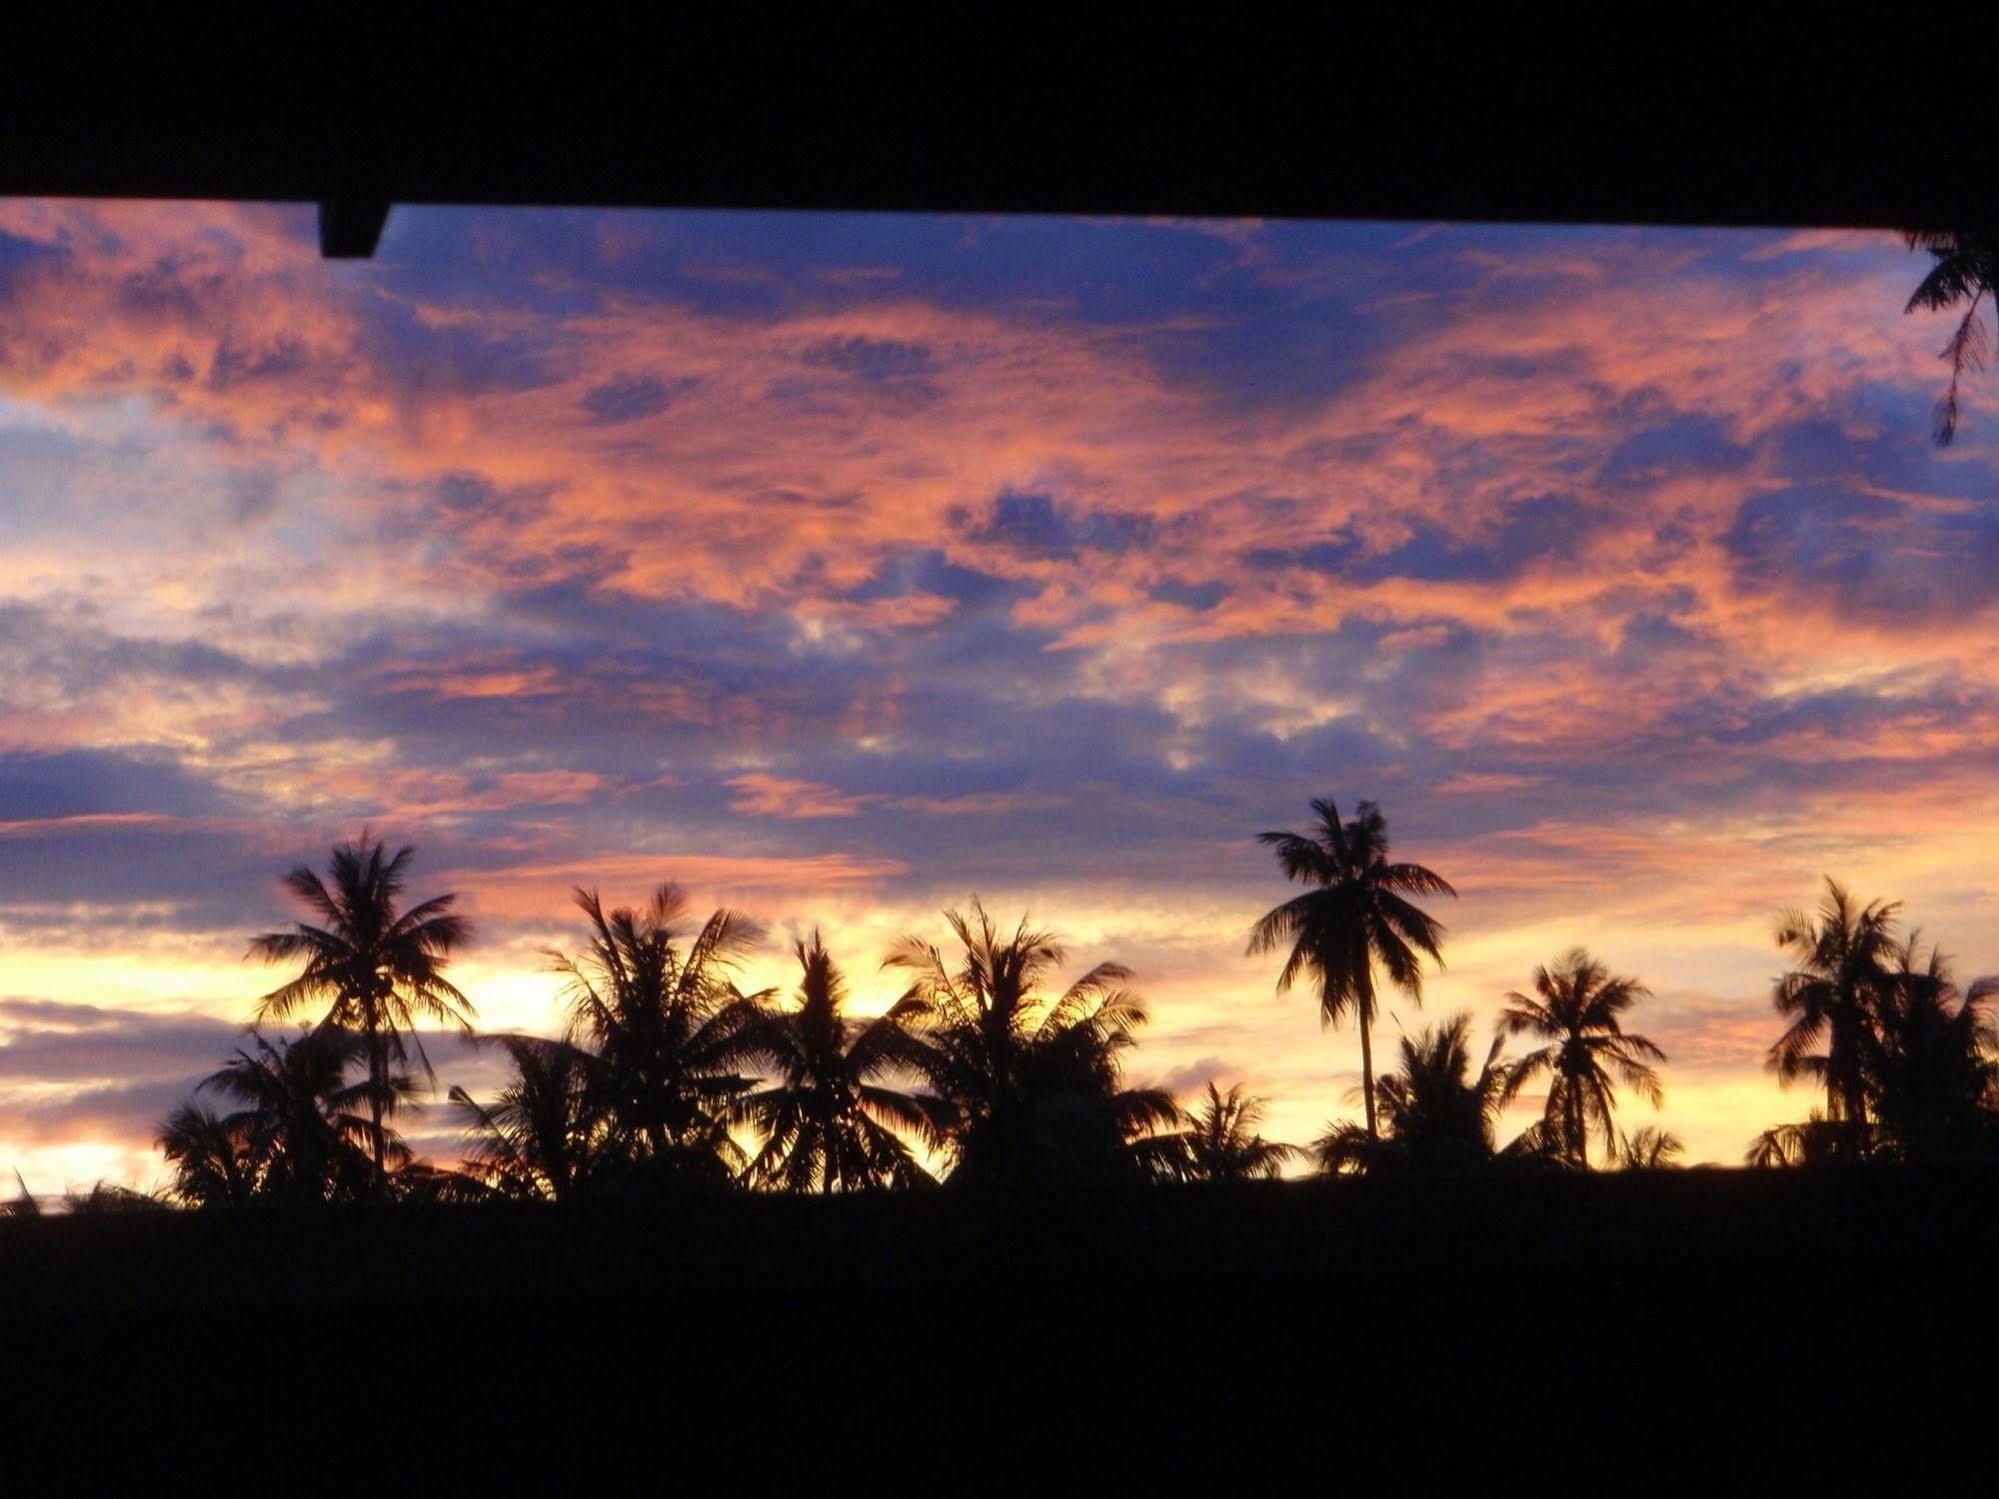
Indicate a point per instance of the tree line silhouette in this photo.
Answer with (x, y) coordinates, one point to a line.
(978, 1074)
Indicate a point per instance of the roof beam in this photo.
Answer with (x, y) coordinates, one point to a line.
(350, 228)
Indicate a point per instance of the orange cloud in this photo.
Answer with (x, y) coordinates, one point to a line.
(759, 795)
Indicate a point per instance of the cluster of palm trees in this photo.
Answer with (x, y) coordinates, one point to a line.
(1356, 919)
(981, 1073)
(977, 1070)
(1909, 1063)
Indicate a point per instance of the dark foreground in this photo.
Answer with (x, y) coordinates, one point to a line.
(1678, 1311)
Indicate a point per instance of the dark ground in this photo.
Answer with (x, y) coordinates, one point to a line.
(1679, 1313)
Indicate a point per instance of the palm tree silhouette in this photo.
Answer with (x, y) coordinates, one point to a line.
(1966, 270)
(214, 1165)
(1035, 1083)
(300, 1119)
(1578, 1008)
(1931, 1061)
(1649, 1148)
(830, 1120)
(668, 1024)
(1353, 917)
(1844, 954)
(1436, 1115)
(1220, 1142)
(549, 1133)
(379, 968)
(1813, 1143)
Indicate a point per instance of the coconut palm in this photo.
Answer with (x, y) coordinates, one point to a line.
(1219, 1142)
(1931, 1061)
(1438, 1113)
(1035, 1083)
(1578, 1008)
(1844, 955)
(1649, 1148)
(1346, 1148)
(378, 969)
(668, 1025)
(1965, 272)
(1812, 1143)
(549, 1133)
(1435, 1115)
(831, 1121)
(302, 1120)
(1353, 917)
(213, 1164)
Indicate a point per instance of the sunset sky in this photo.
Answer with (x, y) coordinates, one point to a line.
(841, 566)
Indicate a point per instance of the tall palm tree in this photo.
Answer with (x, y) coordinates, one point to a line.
(668, 1024)
(1220, 1142)
(1931, 1061)
(378, 969)
(1578, 1008)
(1436, 1115)
(549, 1133)
(1036, 1084)
(1965, 272)
(1353, 917)
(1844, 955)
(830, 1119)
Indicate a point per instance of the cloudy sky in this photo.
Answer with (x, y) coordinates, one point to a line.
(842, 566)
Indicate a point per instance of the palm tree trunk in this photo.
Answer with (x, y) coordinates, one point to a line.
(1367, 1064)
(377, 1071)
(1845, 1099)
(1856, 1104)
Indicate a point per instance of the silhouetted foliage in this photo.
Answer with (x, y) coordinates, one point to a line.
(830, 1120)
(976, 1070)
(108, 1197)
(297, 1133)
(1964, 273)
(1439, 1116)
(670, 1030)
(1436, 1116)
(1648, 1148)
(1578, 1007)
(1843, 955)
(1353, 916)
(23, 1205)
(214, 1165)
(379, 969)
(1928, 1062)
(1816, 1142)
(1034, 1083)
(1219, 1142)
(550, 1134)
